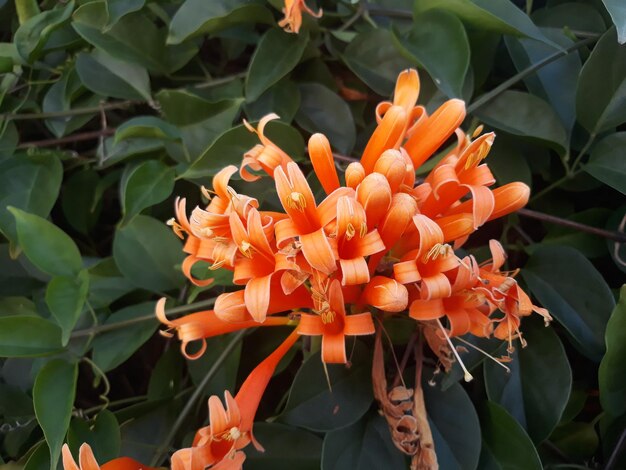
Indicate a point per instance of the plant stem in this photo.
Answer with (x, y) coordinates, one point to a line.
(71, 112)
(220, 81)
(554, 185)
(94, 330)
(526, 72)
(609, 234)
(69, 139)
(194, 398)
(583, 151)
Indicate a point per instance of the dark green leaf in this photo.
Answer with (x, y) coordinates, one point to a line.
(225, 377)
(182, 107)
(509, 446)
(607, 162)
(507, 161)
(454, 424)
(145, 185)
(601, 94)
(119, 8)
(437, 42)
(229, 147)
(276, 55)
(366, 445)
(149, 127)
(501, 16)
(313, 406)
(103, 437)
(581, 16)
(568, 285)
(286, 448)
(106, 283)
(53, 396)
(533, 118)
(578, 441)
(30, 183)
(612, 383)
(111, 348)
(537, 389)
(111, 153)
(372, 56)
(66, 297)
(617, 10)
(588, 244)
(146, 252)
(25, 336)
(46, 245)
(283, 98)
(322, 110)
(197, 17)
(108, 76)
(31, 36)
(78, 200)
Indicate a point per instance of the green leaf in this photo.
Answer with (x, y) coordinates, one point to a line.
(117, 9)
(509, 446)
(581, 16)
(53, 397)
(533, 118)
(104, 437)
(78, 201)
(26, 336)
(617, 10)
(537, 389)
(108, 76)
(31, 37)
(30, 183)
(229, 147)
(500, 16)
(366, 445)
(570, 287)
(182, 107)
(591, 246)
(148, 127)
(225, 377)
(46, 245)
(507, 161)
(578, 441)
(601, 94)
(612, 383)
(372, 56)
(438, 42)
(145, 185)
(276, 55)
(65, 297)
(322, 110)
(198, 17)
(286, 448)
(607, 162)
(283, 98)
(112, 348)
(311, 405)
(106, 284)
(146, 252)
(454, 425)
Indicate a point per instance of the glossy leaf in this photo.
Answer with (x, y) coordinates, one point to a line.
(145, 185)
(500, 16)
(146, 252)
(537, 389)
(364, 445)
(454, 425)
(27, 335)
(182, 107)
(65, 297)
(437, 42)
(46, 245)
(311, 405)
(30, 183)
(617, 10)
(53, 396)
(276, 55)
(149, 127)
(103, 437)
(508, 445)
(112, 348)
(322, 110)
(283, 98)
(285, 447)
(533, 118)
(612, 384)
(197, 17)
(601, 94)
(576, 295)
(106, 75)
(607, 162)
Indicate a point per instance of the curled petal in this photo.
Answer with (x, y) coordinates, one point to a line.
(354, 271)
(455, 226)
(359, 324)
(427, 309)
(318, 252)
(435, 287)
(430, 234)
(334, 348)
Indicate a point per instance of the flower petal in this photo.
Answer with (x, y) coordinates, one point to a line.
(387, 135)
(359, 324)
(318, 251)
(354, 271)
(334, 348)
(323, 162)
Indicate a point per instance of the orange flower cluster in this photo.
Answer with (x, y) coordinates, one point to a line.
(383, 242)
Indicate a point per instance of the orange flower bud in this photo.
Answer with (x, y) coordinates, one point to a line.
(392, 166)
(374, 194)
(354, 174)
(386, 294)
(509, 198)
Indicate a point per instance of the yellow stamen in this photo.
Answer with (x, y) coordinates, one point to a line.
(176, 228)
(478, 131)
(246, 249)
(363, 230)
(438, 249)
(479, 155)
(350, 231)
(206, 192)
(328, 316)
(297, 201)
(217, 265)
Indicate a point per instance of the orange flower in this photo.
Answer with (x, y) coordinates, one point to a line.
(266, 156)
(87, 461)
(293, 15)
(218, 445)
(332, 323)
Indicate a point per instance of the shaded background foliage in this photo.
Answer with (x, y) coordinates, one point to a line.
(108, 109)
